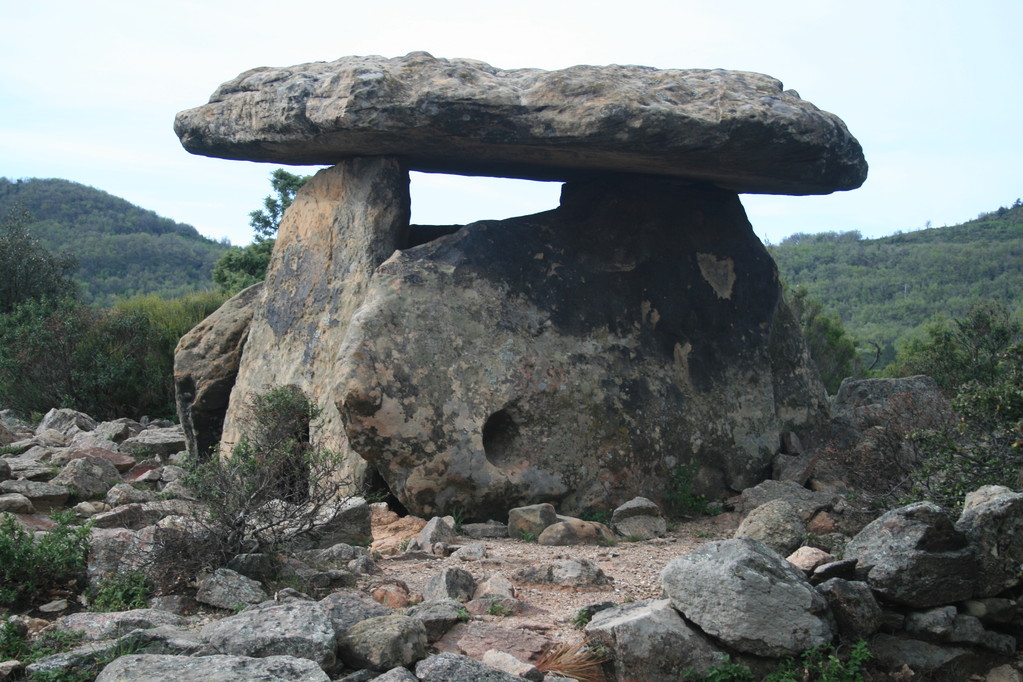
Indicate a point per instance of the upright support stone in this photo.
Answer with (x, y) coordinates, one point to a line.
(344, 222)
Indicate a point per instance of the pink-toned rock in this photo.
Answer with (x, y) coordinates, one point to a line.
(393, 593)
(807, 559)
(121, 462)
(475, 638)
(390, 531)
(821, 524)
(576, 532)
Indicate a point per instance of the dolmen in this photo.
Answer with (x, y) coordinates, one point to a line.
(581, 356)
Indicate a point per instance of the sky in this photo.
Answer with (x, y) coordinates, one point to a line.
(932, 90)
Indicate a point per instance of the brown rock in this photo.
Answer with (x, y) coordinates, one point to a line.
(576, 532)
(473, 639)
(733, 129)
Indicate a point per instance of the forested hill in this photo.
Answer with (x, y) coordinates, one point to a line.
(122, 250)
(885, 290)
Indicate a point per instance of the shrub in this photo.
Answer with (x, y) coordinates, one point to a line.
(681, 499)
(120, 592)
(31, 564)
(274, 487)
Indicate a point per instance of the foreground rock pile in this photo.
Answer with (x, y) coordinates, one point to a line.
(930, 595)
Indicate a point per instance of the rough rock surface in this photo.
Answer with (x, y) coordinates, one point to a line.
(734, 129)
(856, 611)
(747, 596)
(448, 667)
(345, 222)
(639, 518)
(650, 641)
(992, 520)
(298, 628)
(548, 358)
(576, 532)
(205, 368)
(212, 669)
(89, 476)
(384, 643)
(914, 556)
(777, 524)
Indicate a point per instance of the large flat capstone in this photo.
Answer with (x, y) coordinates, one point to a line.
(737, 130)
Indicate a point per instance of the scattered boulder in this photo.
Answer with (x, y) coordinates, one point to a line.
(227, 589)
(97, 626)
(576, 532)
(650, 641)
(777, 524)
(438, 616)
(992, 521)
(120, 461)
(215, 668)
(921, 657)
(5, 470)
(639, 518)
(531, 520)
(806, 502)
(451, 583)
(349, 523)
(299, 628)
(482, 531)
(569, 573)
(155, 442)
(385, 642)
(89, 476)
(125, 493)
(747, 596)
(856, 611)
(913, 555)
(345, 609)
(437, 529)
(808, 559)
(475, 637)
(450, 667)
(44, 496)
(499, 660)
(66, 421)
(16, 503)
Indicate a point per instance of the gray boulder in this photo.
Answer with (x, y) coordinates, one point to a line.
(437, 529)
(66, 421)
(227, 589)
(566, 573)
(115, 624)
(576, 532)
(747, 596)
(345, 609)
(650, 641)
(16, 503)
(856, 611)
(138, 515)
(298, 628)
(922, 657)
(992, 521)
(125, 493)
(732, 129)
(90, 476)
(44, 496)
(217, 668)
(451, 583)
(639, 518)
(5, 470)
(448, 667)
(777, 524)
(155, 442)
(438, 616)
(384, 643)
(531, 519)
(913, 555)
(806, 502)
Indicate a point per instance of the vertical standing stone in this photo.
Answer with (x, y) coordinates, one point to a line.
(344, 222)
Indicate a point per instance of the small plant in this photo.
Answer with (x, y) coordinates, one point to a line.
(10, 450)
(527, 537)
(463, 614)
(275, 486)
(582, 617)
(404, 544)
(14, 643)
(30, 564)
(498, 609)
(681, 498)
(458, 514)
(600, 516)
(121, 592)
(580, 662)
(725, 672)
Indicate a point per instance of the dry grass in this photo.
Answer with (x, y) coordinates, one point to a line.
(577, 661)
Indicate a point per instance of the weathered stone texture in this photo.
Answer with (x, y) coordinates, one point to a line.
(734, 129)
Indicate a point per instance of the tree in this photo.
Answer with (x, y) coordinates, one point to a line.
(266, 221)
(244, 266)
(832, 350)
(30, 272)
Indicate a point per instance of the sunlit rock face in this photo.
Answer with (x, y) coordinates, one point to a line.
(582, 356)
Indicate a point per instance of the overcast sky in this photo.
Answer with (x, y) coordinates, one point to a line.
(932, 90)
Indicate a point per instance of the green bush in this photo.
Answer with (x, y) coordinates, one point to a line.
(681, 498)
(274, 486)
(30, 564)
(120, 592)
(822, 664)
(978, 361)
(106, 363)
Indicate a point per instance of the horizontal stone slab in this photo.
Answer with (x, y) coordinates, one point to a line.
(737, 130)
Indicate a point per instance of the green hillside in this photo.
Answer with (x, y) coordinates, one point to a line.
(122, 250)
(886, 290)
